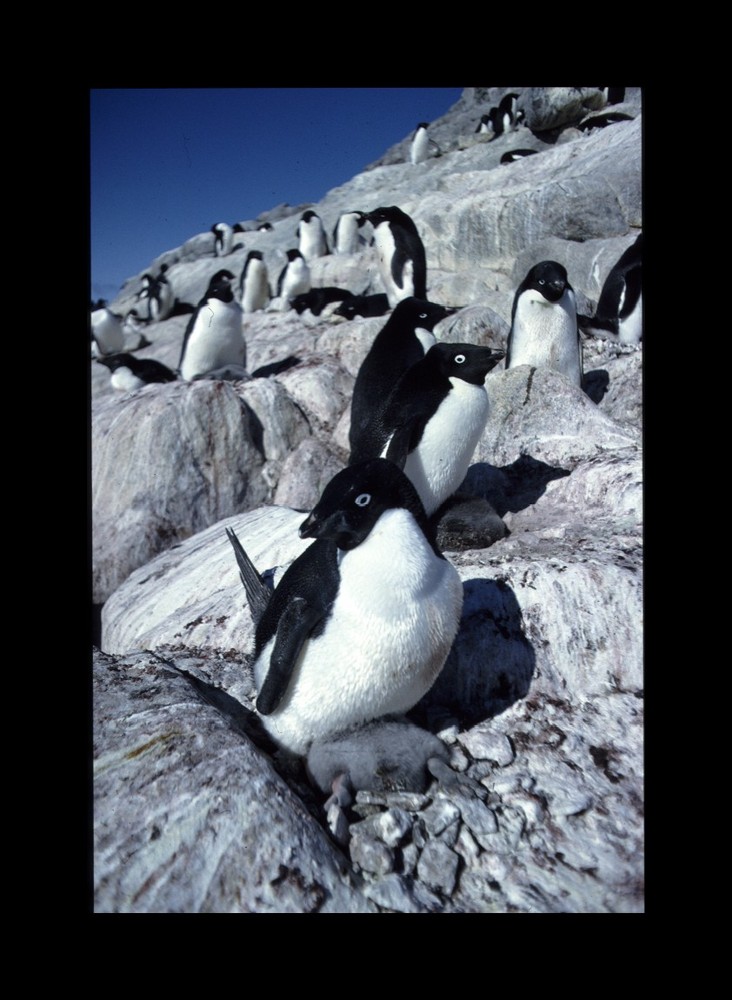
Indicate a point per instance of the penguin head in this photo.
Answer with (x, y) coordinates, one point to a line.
(389, 214)
(115, 361)
(254, 255)
(420, 313)
(464, 361)
(307, 216)
(549, 279)
(422, 125)
(219, 287)
(266, 227)
(354, 500)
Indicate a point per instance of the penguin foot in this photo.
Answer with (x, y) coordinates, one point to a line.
(335, 806)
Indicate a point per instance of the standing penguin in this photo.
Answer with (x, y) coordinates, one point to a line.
(404, 340)
(214, 337)
(433, 419)
(223, 239)
(544, 331)
(484, 125)
(128, 373)
(254, 291)
(158, 293)
(362, 622)
(619, 312)
(419, 149)
(400, 253)
(294, 278)
(107, 331)
(346, 235)
(310, 233)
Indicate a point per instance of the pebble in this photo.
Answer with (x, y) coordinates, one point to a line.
(441, 814)
(393, 893)
(437, 867)
(483, 744)
(477, 816)
(370, 855)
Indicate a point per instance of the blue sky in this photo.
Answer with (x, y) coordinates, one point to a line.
(167, 164)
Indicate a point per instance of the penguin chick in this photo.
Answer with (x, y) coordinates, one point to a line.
(361, 623)
(544, 331)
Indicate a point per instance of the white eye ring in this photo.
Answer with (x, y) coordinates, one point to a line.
(423, 315)
(363, 500)
(459, 359)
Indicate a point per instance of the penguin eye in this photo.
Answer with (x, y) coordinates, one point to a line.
(423, 315)
(541, 281)
(459, 359)
(363, 500)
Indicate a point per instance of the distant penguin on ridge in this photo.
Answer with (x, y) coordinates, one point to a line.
(214, 338)
(433, 419)
(128, 373)
(517, 154)
(619, 312)
(313, 242)
(254, 290)
(294, 278)
(484, 125)
(346, 232)
(361, 623)
(223, 239)
(544, 331)
(404, 339)
(419, 149)
(400, 254)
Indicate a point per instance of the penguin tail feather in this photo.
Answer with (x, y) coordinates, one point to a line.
(257, 591)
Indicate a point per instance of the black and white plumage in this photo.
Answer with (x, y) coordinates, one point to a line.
(603, 120)
(517, 154)
(317, 299)
(544, 331)
(361, 623)
(420, 147)
(157, 293)
(223, 239)
(265, 227)
(214, 338)
(347, 236)
(364, 305)
(254, 290)
(294, 278)
(128, 373)
(484, 125)
(619, 312)
(107, 331)
(433, 419)
(400, 254)
(403, 340)
(313, 242)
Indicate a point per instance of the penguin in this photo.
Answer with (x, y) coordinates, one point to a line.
(254, 290)
(400, 253)
(517, 154)
(129, 373)
(433, 419)
(544, 330)
(363, 305)
(613, 95)
(223, 238)
(419, 149)
(265, 227)
(317, 299)
(294, 278)
(602, 121)
(484, 125)
(158, 292)
(107, 331)
(135, 339)
(214, 338)
(619, 312)
(402, 341)
(310, 233)
(238, 228)
(346, 232)
(361, 623)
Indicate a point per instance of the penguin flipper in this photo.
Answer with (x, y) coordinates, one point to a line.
(257, 591)
(294, 627)
(399, 445)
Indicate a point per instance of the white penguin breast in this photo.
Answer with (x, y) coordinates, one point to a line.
(440, 462)
(420, 146)
(347, 241)
(297, 279)
(544, 334)
(256, 292)
(216, 339)
(123, 380)
(630, 329)
(393, 622)
(385, 250)
(107, 330)
(312, 239)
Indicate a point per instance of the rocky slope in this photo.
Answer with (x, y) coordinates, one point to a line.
(540, 702)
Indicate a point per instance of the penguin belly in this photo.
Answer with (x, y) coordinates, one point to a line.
(544, 335)
(398, 288)
(393, 622)
(108, 332)
(216, 339)
(123, 380)
(420, 147)
(256, 290)
(440, 462)
(630, 328)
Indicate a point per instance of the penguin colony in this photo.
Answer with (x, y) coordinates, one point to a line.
(361, 624)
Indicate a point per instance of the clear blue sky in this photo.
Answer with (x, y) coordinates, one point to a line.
(167, 164)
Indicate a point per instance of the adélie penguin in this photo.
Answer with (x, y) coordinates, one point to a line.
(544, 331)
(214, 337)
(433, 419)
(400, 254)
(311, 235)
(128, 373)
(254, 291)
(619, 312)
(403, 340)
(294, 278)
(361, 623)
